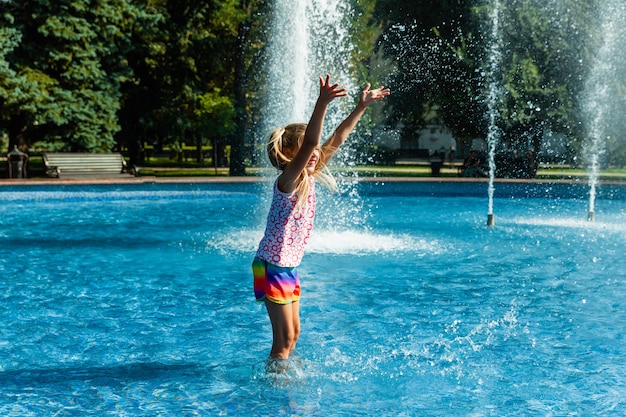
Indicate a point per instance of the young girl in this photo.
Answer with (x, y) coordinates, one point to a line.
(295, 150)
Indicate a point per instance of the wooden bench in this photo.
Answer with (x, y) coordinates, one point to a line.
(59, 165)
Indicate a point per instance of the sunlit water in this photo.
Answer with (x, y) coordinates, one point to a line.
(137, 301)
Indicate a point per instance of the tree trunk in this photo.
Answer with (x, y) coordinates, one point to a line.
(17, 133)
(199, 155)
(237, 142)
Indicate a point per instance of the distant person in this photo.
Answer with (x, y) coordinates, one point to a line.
(452, 153)
(473, 166)
(295, 150)
(530, 165)
(442, 154)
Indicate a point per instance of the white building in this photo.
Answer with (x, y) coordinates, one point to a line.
(436, 139)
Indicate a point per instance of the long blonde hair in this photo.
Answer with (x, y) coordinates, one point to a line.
(283, 145)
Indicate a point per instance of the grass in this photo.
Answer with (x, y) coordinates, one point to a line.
(164, 167)
(398, 171)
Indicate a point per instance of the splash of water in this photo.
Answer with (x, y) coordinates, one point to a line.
(598, 92)
(309, 38)
(613, 227)
(495, 92)
(325, 241)
(288, 64)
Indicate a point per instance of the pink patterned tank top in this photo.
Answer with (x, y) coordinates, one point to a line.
(287, 231)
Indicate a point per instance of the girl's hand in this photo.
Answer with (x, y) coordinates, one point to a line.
(369, 96)
(328, 91)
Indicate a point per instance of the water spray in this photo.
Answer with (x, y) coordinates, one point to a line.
(493, 133)
(311, 38)
(599, 91)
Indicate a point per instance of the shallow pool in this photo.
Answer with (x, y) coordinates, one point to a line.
(137, 300)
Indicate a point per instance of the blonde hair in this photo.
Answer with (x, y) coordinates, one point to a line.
(283, 145)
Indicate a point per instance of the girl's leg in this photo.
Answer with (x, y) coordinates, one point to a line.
(295, 311)
(283, 329)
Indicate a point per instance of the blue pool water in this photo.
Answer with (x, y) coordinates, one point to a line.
(136, 300)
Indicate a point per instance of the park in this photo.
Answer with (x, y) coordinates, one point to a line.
(136, 186)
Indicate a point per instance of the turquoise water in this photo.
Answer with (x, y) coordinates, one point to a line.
(136, 300)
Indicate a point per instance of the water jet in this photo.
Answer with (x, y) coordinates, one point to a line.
(599, 90)
(494, 94)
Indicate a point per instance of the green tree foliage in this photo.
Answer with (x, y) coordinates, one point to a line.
(441, 56)
(98, 75)
(216, 113)
(13, 86)
(182, 56)
(434, 53)
(70, 63)
(364, 33)
(196, 49)
(543, 70)
(216, 118)
(251, 38)
(88, 75)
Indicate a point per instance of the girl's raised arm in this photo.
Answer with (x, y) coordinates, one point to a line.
(345, 128)
(288, 180)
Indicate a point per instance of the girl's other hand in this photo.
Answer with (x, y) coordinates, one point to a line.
(369, 96)
(328, 91)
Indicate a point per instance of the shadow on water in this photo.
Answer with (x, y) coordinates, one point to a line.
(105, 375)
(102, 242)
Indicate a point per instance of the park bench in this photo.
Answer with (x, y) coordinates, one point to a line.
(70, 164)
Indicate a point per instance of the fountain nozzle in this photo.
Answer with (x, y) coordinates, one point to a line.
(491, 220)
(591, 216)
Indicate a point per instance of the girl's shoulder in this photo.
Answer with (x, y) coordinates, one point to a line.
(276, 187)
(278, 191)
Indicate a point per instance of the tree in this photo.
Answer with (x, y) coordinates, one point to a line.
(70, 63)
(247, 53)
(544, 70)
(216, 117)
(440, 50)
(192, 51)
(13, 86)
(433, 47)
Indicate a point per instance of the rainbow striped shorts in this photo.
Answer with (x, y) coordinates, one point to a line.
(278, 284)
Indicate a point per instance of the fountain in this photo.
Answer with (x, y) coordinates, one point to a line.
(307, 39)
(495, 92)
(136, 299)
(601, 86)
(598, 90)
(310, 39)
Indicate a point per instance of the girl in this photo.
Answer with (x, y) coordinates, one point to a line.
(295, 150)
